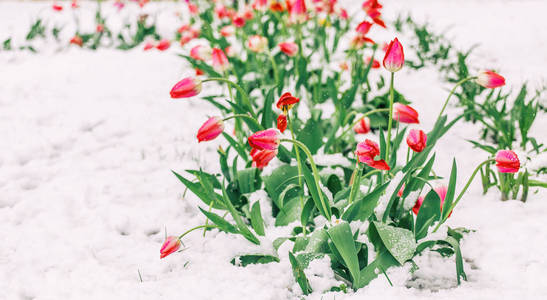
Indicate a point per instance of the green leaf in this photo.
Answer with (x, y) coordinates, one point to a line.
(219, 221)
(450, 192)
(318, 242)
(256, 219)
(244, 260)
(267, 113)
(278, 180)
(239, 148)
(237, 218)
(313, 189)
(248, 180)
(362, 209)
(383, 261)
(299, 275)
(197, 189)
(429, 212)
(342, 239)
(307, 211)
(311, 135)
(289, 213)
(460, 273)
(399, 242)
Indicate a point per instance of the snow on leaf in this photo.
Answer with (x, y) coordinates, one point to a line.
(400, 242)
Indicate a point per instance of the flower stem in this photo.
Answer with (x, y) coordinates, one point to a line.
(362, 117)
(299, 171)
(239, 116)
(389, 124)
(315, 173)
(196, 228)
(356, 182)
(238, 88)
(463, 192)
(453, 91)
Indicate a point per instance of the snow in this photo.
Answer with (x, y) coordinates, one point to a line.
(89, 139)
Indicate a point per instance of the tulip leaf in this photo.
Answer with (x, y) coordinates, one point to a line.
(197, 189)
(256, 219)
(429, 212)
(318, 242)
(289, 213)
(324, 208)
(238, 147)
(363, 209)
(277, 182)
(299, 275)
(244, 260)
(219, 221)
(460, 273)
(310, 135)
(267, 113)
(243, 229)
(307, 211)
(342, 238)
(383, 261)
(399, 242)
(449, 198)
(248, 180)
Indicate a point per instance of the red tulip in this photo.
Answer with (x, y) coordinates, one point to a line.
(199, 72)
(210, 129)
(363, 126)
(286, 101)
(171, 244)
(221, 11)
(370, 5)
(405, 114)
(257, 43)
(395, 57)
(148, 46)
(416, 140)
(77, 40)
(200, 52)
(282, 123)
(220, 61)
(238, 20)
(100, 28)
(297, 11)
(193, 9)
(265, 140)
(163, 45)
(261, 158)
(375, 63)
(188, 87)
(57, 7)
(276, 6)
(359, 41)
(490, 79)
(289, 48)
(367, 151)
(507, 161)
(343, 14)
(363, 27)
(417, 205)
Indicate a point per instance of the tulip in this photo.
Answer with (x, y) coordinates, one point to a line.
(260, 5)
(417, 205)
(74, 4)
(221, 11)
(200, 52)
(220, 61)
(371, 5)
(363, 27)
(257, 43)
(359, 41)
(100, 28)
(238, 21)
(148, 46)
(248, 13)
(199, 72)
(57, 7)
(227, 31)
(230, 52)
(343, 66)
(163, 45)
(265, 140)
(171, 244)
(441, 191)
(297, 11)
(77, 40)
(119, 5)
(193, 9)
(395, 57)
(490, 79)
(507, 161)
(405, 114)
(416, 140)
(379, 164)
(286, 102)
(261, 158)
(367, 151)
(363, 126)
(375, 63)
(282, 123)
(276, 6)
(289, 48)
(210, 129)
(342, 13)
(188, 87)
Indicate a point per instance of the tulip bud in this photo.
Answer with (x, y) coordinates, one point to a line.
(220, 61)
(257, 43)
(363, 27)
(416, 140)
(188, 87)
(298, 12)
(363, 126)
(163, 45)
(265, 140)
(210, 129)
(77, 40)
(507, 161)
(395, 57)
(405, 114)
(490, 79)
(57, 7)
(171, 244)
(282, 123)
(261, 158)
(289, 48)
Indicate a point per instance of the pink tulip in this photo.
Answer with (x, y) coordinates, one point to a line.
(297, 11)
(188, 87)
(363, 27)
(441, 191)
(363, 126)
(507, 161)
(163, 45)
(148, 46)
(367, 151)
(395, 57)
(260, 5)
(238, 21)
(371, 5)
(227, 31)
(261, 158)
(220, 61)
(405, 114)
(210, 129)
(490, 79)
(282, 123)
(265, 140)
(257, 43)
(171, 244)
(416, 140)
(74, 4)
(200, 52)
(289, 48)
(193, 9)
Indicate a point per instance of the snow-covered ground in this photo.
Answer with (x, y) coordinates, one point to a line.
(86, 192)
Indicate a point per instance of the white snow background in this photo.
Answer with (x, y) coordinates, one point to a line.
(89, 138)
